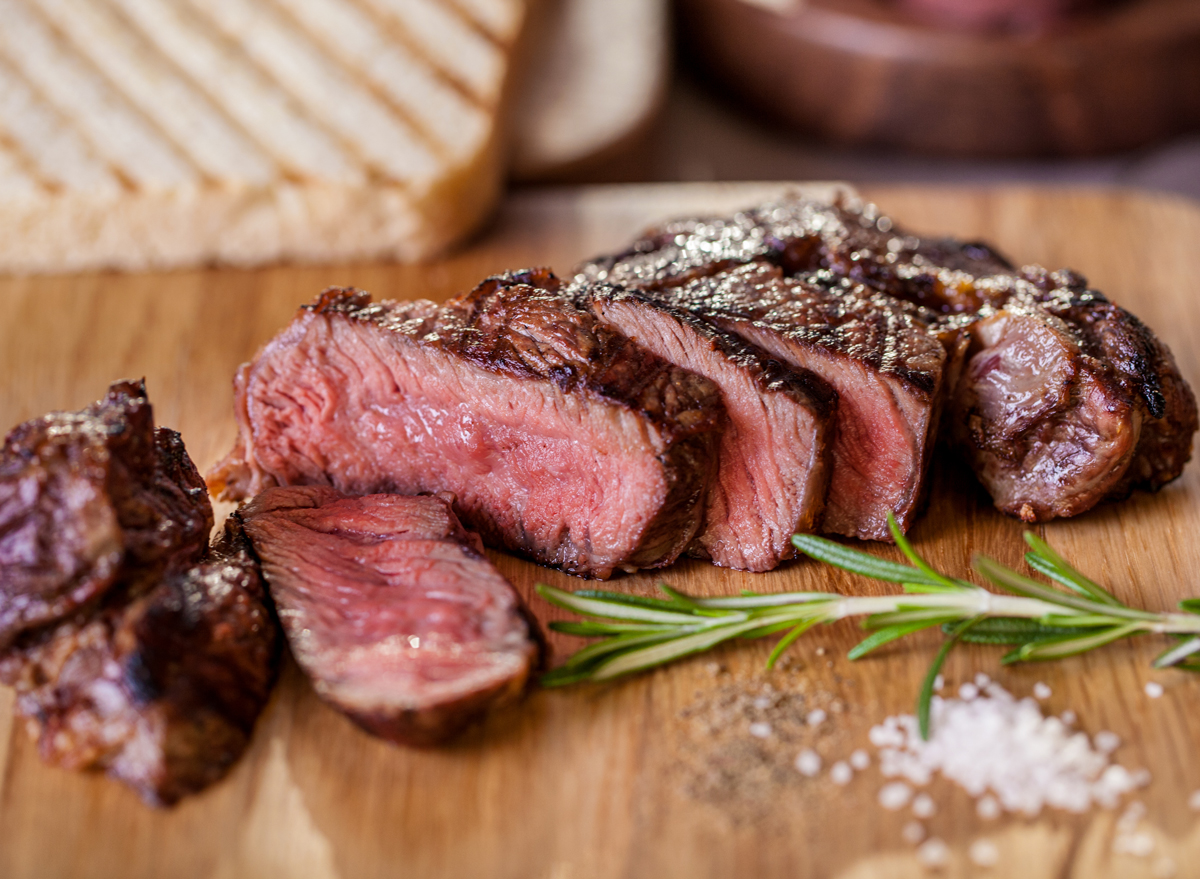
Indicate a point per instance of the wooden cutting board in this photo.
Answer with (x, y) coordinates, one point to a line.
(654, 776)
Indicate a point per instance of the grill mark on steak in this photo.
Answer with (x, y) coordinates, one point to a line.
(562, 440)
(91, 499)
(156, 672)
(885, 365)
(391, 609)
(774, 454)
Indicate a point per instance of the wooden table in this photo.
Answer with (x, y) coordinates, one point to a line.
(625, 779)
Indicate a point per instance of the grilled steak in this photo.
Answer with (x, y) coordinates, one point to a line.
(885, 365)
(1068, 399)
(561, 438)
(91, 499)
(773, 458)
(156, 671)
(391, 608)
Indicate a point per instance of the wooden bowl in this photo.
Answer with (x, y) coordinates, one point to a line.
(865, 72)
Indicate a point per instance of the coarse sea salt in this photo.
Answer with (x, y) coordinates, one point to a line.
(990, 742)
(808, 762)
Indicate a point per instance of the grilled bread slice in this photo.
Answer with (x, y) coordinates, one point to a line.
(142, 134)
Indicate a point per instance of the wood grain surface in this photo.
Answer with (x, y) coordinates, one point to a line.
(626, 779)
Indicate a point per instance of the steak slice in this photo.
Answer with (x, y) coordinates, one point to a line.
(773, 459)
(885, 365)
(91, 499)
(391, 608)
(561, 439)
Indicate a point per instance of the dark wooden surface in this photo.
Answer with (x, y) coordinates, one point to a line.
(865, 72)
(614, 780)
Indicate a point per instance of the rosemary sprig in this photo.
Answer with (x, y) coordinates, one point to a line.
(1039, 621)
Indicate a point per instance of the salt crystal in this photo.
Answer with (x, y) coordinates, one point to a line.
(1106, 742)
(1068, 717)
(808, 762)
(1139, 845)
(983, 853)
(820, 651)
(923, 806)
(933, 853)
(816, 717)
(840, 773)
(1133, 814)
(1154, 689)
(987, 808)
(1041, 691)
(939, 682)
(982, 680)
(762, 703)
(895, 795)
(760, 730)
(860, 759)
(913, 832)
(997, 745)
(1194, 801)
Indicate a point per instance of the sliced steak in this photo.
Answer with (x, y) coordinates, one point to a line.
(391, 608)
(91, 499)
(774, 457)
(561, 439)
(885, 365)
(1072, 434)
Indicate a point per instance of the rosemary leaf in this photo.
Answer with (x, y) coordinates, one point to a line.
(886, 635)
(1062, 646)
(1178, 653)
(925, 696)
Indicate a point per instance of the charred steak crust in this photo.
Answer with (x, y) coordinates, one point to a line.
(157, 671)
(773, 457)
(392, 610)
(162, 690)
(563, 440)
(91, 499)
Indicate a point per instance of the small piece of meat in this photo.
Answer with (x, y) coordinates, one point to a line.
(160, 690)
(91, 499)
(885, 365)
(1068, 400)
(774, 457)
(391, 609)
(561, 439)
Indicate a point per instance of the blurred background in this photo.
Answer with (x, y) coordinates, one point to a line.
(156, 134)
(1060, 92)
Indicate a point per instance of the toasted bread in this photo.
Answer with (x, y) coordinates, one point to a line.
(159, 133)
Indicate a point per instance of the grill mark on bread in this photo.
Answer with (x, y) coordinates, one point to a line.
(300, 144)
(480, 27)
(32, 47)
(361, 44)
(44, 135)
(141, 73)
(357, 75)
(395, 28)
(383, 143)
(20, 165)
(152, 122)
